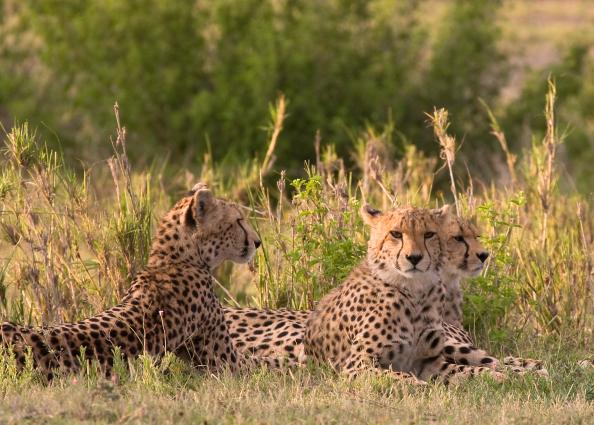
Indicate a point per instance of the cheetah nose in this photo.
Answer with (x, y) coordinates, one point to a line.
(414, 259)
(257, 243)
(483, 256)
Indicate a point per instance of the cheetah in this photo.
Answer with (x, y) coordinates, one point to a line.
(465, 258)
(279, 333)
(387, 315)
(170, 306)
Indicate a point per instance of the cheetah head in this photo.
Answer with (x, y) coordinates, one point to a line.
(404, 242)
(203, 229)
(464, 255)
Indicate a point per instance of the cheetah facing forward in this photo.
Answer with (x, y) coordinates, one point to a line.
(170, 306)
(387, 315)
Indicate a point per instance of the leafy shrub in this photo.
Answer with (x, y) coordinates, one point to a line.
(186, 72)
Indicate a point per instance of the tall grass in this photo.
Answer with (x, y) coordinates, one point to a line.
(72, 240)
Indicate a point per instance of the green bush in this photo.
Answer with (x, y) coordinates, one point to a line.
(187, 72)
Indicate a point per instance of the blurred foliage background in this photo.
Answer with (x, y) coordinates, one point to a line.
(196, 76)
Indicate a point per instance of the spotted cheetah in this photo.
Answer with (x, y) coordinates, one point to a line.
(279, 333)
(388, 312)
(170, 305)
(465, 258)
(268, 333)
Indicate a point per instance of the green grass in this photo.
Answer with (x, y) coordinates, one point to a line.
(70, 241)
(305, 396)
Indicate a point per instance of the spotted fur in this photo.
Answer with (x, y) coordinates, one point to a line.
(170, 305)
(279, 333)
(465, 258)
(387, 315)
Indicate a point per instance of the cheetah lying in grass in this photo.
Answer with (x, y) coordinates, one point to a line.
(279, 333)
(170, 306)
(465, 258)
(387, 316)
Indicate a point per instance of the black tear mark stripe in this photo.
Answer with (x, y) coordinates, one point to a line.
(428, 254)
(465, 243)
(467, 249)
(245, 242)
(383, 242)
(190, 220)
(401, 246)
(398, 254)
(465, 262)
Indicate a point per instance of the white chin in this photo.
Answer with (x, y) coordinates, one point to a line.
(412, 274)
(475, 272)
(246, 258)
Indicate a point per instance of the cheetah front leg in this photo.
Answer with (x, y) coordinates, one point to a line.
(459, 342)
(359, 361)
(521, 365)
(446, 372)
(432, 363)
(209, 346)
(466, 354)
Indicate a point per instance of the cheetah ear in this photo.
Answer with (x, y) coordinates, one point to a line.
(443, 212)
(202, 204)
(369, 214)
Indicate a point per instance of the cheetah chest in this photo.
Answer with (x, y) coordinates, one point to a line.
(413, 331)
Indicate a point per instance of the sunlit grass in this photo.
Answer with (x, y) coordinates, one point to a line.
(70, 243)
(306, 396)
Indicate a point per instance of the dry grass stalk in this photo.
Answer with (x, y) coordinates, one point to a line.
(279, 117)
(588, 249)
(376, 165)
(546, 174)
(440, 123)
(119, 164)
(510, 158)
(317, 143)
(253, 173)
(132, 210)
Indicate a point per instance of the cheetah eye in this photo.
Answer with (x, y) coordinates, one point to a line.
(459, 238)
(429, 235)
(396, 235)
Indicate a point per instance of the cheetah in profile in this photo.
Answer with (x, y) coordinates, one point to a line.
(465, 258)
(170, 305)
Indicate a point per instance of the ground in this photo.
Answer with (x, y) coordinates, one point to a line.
(306, 396)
